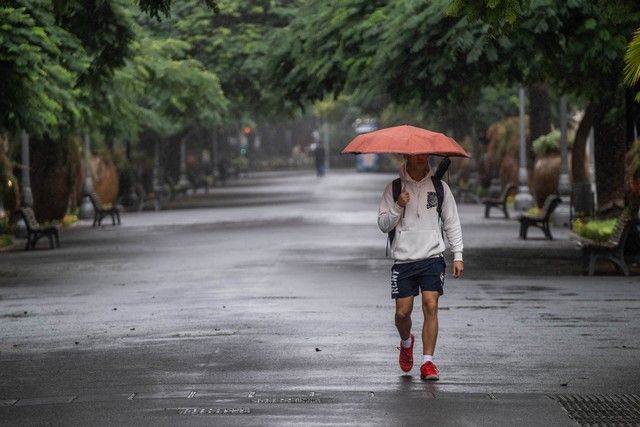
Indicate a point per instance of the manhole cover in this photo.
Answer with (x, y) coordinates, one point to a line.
(601, 409)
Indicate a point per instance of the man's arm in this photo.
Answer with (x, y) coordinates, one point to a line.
(389, 212)
(453, 230)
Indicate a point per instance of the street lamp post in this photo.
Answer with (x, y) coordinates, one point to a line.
(86, 208)
(214, 154)
(325, 144)
(524, 200)
(156, 167)
(183, 181)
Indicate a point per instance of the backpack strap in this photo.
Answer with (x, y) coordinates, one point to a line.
(396, 188)
(437, 184)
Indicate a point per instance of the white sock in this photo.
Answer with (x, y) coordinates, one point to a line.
(406, 343)
(427, 358)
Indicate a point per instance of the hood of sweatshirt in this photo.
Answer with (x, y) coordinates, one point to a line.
(405, 177)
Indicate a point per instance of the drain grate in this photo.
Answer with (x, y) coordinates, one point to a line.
(601, 409)
(213, 411)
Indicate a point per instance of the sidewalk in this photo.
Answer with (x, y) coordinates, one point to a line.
(279, 313)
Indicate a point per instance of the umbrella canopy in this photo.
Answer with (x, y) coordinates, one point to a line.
(405, 140)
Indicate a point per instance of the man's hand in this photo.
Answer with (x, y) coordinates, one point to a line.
(403, 198)
(458, 268)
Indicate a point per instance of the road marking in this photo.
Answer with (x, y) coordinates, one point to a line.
(251, 394)
(131, 396)
(192, 395)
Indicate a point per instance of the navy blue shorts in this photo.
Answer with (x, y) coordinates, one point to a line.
(411, 278)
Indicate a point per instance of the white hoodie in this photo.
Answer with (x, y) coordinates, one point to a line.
(418, 234)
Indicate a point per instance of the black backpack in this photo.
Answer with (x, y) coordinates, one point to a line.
(396, 188)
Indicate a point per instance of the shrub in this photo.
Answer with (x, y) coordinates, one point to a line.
(547, 144)
(5, 227)
(534, 211)
(595, 229)
(69, 219)
(5, 240)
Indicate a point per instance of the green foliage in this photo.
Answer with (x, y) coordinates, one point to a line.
(179, 93)
(5, 240)
(38, 64)
(156, 8)
(534, 211)
(232, 43)
(499, 13)
(416, 50)
(547, 144)
(632, 62)
(5, 227)
(632, 165)
(598, 230)
(75, 66)
(340, 109)
(495, 103)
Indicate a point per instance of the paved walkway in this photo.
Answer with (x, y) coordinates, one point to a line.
(269, 305)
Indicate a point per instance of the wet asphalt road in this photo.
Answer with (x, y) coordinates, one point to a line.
(272, 297)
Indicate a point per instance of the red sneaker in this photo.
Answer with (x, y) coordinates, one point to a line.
(406, 356)
(429, 371)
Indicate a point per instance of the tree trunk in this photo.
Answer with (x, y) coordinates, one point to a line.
(579, 146)
(609, 151)
(55, 168)
(539, 117)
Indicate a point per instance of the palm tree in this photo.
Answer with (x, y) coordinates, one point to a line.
(631, 78)
(632, 62)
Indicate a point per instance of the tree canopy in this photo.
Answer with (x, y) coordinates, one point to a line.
(68, 66)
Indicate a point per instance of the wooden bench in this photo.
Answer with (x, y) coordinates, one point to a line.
(612, 249)
(499, 202)
(100, 210)
(542, 220)
(35, 231)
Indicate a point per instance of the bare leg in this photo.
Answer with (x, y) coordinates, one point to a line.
(430, 326)
(404, 306)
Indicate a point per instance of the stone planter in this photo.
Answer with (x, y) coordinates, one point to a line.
(104, 174)
(546, 172)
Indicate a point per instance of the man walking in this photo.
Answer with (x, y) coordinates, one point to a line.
(417, 249)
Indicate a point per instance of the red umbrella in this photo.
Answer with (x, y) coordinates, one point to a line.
(405, 140)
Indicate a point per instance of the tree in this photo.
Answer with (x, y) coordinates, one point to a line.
(416, 51)
(232, 42)
(632, 62)
(67, 67)
(582, 45)
(39, 62)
